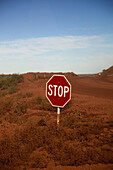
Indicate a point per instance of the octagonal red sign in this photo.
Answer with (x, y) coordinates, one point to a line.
(58, 90)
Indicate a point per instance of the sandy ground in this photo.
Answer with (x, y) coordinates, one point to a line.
(29, 138)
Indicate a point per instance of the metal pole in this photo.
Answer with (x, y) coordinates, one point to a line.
(58, 116)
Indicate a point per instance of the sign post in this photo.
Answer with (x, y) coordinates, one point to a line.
(58, 92)
(58, 116)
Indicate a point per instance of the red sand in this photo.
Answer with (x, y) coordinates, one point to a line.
(29, 138)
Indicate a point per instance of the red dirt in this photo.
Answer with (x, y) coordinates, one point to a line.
(29, 138)
(108, 72)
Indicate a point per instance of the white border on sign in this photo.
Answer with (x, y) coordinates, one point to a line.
(70, 90)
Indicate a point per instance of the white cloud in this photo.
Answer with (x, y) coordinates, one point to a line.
(44, 45)
(56, 53)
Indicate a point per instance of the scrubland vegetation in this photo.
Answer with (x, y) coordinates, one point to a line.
(8, 83)
(29, 137)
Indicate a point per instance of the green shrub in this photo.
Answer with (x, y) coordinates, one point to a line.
(10, 82)
(12, 90)
(41, 77)
(29, 80)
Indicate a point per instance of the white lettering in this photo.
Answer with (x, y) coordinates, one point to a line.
(55, 86)
(60, 92)
(50, 94)
(66, 90)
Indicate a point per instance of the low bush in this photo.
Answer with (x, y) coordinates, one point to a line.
(12, 89)
(70, 154)
(42, 104)
(38, 141)
(5, 105)
(20, 108)
(10, 82)
(42, 122)
(69, 121)
(38, 100)
(39, 159)
(45, 105)
(24, 95)
(9, 155)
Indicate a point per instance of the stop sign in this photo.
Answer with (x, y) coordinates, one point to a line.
(58, 90)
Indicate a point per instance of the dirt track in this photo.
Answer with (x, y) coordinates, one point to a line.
(29, 138)
(93, 86)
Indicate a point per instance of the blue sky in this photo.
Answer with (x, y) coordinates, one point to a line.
(56, 35)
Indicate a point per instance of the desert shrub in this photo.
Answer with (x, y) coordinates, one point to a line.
(9, 155)
(2, 93)
(11, 117)
(38, 100)
(28, 94)
(20, 108)
(93, 155)
(29, 80)
(67, 153)
(106, 156)
(17, 78)
(38, 140)
(39, 159)
(32, 136)
(5, 105)
(68, 134)
(72, 154)
(96, 128)
(4, 82)
(13, 152)
(42, 122)
(45, 105)
(42, 104)
(24, 95)
(12, 89)
(41, 77)
(10, 82)
(69, 121)
(68, 105)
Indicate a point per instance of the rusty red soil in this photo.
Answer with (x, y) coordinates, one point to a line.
(29, 138)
